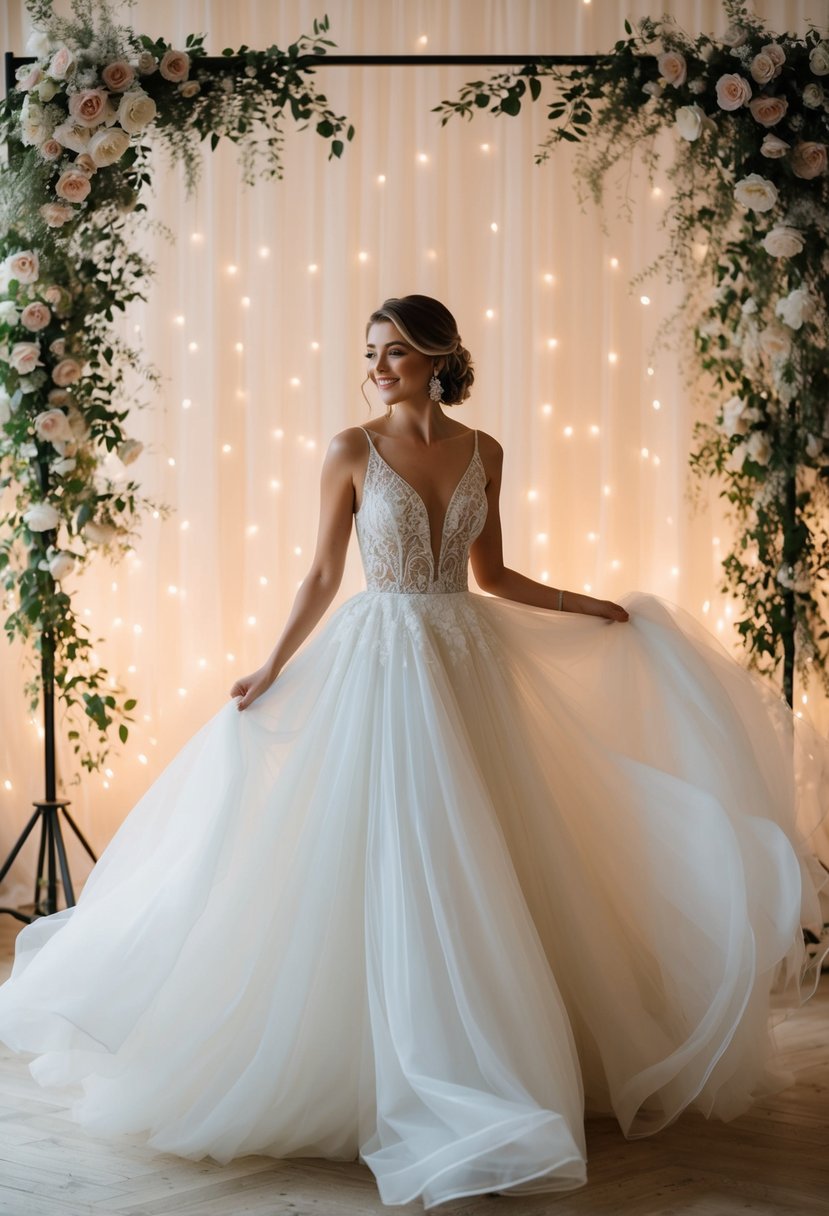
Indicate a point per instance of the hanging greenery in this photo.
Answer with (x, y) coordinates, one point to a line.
(747, 233)
(76, 128)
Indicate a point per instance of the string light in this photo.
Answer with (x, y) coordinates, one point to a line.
(484, 147)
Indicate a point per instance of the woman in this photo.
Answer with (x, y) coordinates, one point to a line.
(463, 869)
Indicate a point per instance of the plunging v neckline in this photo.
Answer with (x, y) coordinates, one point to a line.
(419, 497)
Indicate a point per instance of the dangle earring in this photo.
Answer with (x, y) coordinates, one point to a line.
(435, 387)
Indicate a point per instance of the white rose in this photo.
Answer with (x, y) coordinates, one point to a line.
(108, 146)
(189, 88)
(147, 63)
(819, 59)
(72, 136)
(135, 111)
(38, 44)
(9, 314)
(813, 96)
(130, 450)
(35, 128)
(762, 68)
(814, 446)
(5, 406)
(689, 121)
(795, 308)
(697, 85)
(733, 422)
(783, 241)
(776, 54)
(47, 89)
(734, 36)
(41, 517)
(773, 147)
(758, 447)
(756, 192)
(99, 534)
(61, 564)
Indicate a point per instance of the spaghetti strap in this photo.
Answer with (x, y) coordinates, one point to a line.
(367, 435)
(475, 453)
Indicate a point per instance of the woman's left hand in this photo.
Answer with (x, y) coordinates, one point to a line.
(613, 612)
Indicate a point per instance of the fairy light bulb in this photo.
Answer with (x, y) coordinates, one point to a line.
(493, 226)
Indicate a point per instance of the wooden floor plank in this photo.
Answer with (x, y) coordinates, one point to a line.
(773, 1161)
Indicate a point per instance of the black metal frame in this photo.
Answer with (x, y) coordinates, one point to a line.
(52, 850)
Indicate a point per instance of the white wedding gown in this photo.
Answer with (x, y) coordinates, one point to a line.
(465, 869)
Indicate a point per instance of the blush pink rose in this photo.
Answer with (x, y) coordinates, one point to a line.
(733, 91)
(768, 110)
(59, 396)
(52, 424)
(175, 65)
(673, 67)
(29, 77)
(762, 68)
(66, 372)
(25, 357)
(23, 266)
(118, 76)
(63, 61)
(85, 161)
(773, 147)
(73, 185)
(50, 149)
(89, 107)
(808, 159)
(36, 316)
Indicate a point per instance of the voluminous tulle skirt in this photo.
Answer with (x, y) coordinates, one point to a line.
(467, 870)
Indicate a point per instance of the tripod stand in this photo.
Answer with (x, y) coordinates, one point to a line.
(52, 851)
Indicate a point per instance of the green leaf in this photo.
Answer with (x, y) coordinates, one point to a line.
(214, 139)
(337, 147)
(511, 104)
(535, 87)
(628, 29)
(325, 128)
(482, 99)
(131, 704)
(123, 732)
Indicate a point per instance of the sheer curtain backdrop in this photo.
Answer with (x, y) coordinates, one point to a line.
(256, 319)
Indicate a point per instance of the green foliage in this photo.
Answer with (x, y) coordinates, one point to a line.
(758, 369)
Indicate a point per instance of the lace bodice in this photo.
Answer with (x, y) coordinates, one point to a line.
(394, 534)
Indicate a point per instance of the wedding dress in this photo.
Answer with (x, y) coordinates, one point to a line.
(467, 871)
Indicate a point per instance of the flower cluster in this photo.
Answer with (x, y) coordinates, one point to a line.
(747, 230)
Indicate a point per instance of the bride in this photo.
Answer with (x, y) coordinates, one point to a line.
(465, 869)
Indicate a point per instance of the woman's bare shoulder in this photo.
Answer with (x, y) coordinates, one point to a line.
(349, 444)
(489, 447)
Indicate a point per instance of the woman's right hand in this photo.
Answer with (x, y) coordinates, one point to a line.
(611, 611)
(248, 688)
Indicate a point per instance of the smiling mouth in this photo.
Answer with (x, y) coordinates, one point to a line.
(386, 383)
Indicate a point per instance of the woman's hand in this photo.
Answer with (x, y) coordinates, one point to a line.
(248, 688)
(613, 612)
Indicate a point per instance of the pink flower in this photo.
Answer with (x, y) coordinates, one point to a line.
(50, 149)
(118, 76)
(35, 316)
(73, 185)
(85, 161)
(90, 107)
(25, 357)
(63, 61)
(763, 68)
(808, 159)
(23, 266)
(29, 76)
(773, 147)
(673, 67)
(66, 372)
(175, 65)
(733, 91)
(768, 110)
(52, 424)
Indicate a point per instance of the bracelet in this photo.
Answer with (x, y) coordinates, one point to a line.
(560, 600)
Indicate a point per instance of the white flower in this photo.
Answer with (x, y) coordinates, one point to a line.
(819, 59)
(748, 306)
(5, 406)
(733, 422)
(783, 241)
(38, 44)
(689, 120)
(697, 85)
(62, 563)
(776, 54)
(813, 96)
(47, 89)
(35, 128)
(147, 63)
(653, 88)
(795, 308)
(41, 517)
(733, 91)
(763, 68)
(814, 446)
(774, 340)
(735, 35)
(794, 577)
(758, 447)
(130, 450)
(99, 534)
(135, 111)
(9, 314)
(72, 136)
(25, 357)
(108, 145)
(51, 425)
(756, 192)
(189, 88)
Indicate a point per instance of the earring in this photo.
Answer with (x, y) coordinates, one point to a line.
(435, 387)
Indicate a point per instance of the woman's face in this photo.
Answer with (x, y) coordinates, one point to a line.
(400, 372)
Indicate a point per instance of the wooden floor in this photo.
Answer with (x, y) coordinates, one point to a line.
(773, 1161)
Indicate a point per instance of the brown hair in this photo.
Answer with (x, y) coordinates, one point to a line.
(430, 327)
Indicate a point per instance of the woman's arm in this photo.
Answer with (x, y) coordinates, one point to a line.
(487, 556)
(323, 579)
